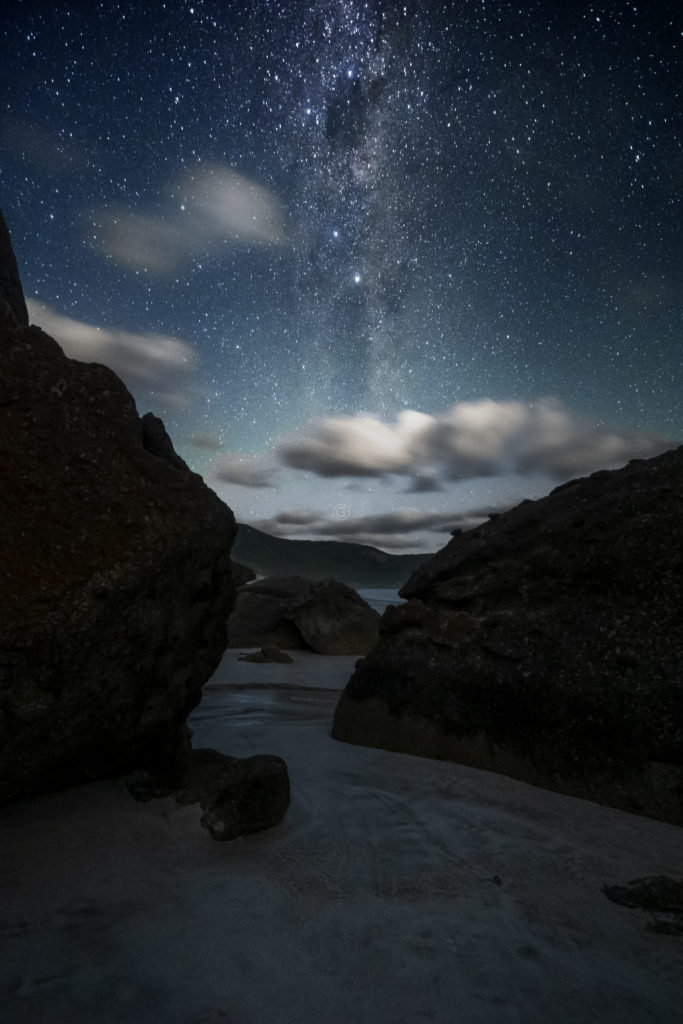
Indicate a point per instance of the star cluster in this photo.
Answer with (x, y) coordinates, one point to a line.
(342, 207)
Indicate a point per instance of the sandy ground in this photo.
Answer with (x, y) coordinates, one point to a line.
(397, 890)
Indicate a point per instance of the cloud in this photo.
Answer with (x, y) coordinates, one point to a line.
(398, 529)
(471, 439)
(140, 242)
(403, 521)
(206, 208)
(40, 147)
(358, 445)
(153, 366)
(207, 442)
(296, 518)
(292, 524)
(423, 484)
(249, 471)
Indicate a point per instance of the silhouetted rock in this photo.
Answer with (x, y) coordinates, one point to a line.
(297, 614)
(114, 573)
(238, 795)
(267, 655)
(545, 644)
(12, 306)
(661, 896)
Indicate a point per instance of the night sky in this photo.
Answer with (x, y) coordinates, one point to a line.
(382, 268)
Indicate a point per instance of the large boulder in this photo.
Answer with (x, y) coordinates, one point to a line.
(114, 571)
(545, 644)
(237, 795)
(299, 614)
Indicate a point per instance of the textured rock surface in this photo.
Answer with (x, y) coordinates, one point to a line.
(298, 614)
(660, 895)
(545, 644)
(12, 306)
(114, 572)
(238, 795)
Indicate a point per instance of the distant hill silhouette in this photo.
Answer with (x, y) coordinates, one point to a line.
(357, 565)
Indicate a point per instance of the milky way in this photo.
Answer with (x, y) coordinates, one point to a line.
(296, 211)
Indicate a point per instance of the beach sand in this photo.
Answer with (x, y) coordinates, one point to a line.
(397, 889)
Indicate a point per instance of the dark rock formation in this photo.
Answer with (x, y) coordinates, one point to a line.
(238, 795)
(297, 614)
(545, 644)
(661, 896)
(268, 655)
(114, 571)
(12, 306)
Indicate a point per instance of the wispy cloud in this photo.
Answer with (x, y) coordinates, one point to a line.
(205, 442)
(156, 367)
(245, 471)
(400, 529)
(205, 208)
(41, 147)
(471, 439)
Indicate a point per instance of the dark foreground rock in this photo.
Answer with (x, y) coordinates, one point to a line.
(660, 895)
(545, 644)
(298, 614)
(268, 655)
(114, 572)
(13, 310)
(237, 795)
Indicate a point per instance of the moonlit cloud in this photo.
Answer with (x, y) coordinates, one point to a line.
(205, 442)
(471, 439)
(206, 208)
(358, 445)
(153, 366)
(222, 205)
(423, 484)
(247, 471)
(40, 146)
(296, 518)
(140, 242)
(397, 529)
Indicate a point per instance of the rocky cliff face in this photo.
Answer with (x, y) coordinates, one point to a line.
(114, 571)
(12, 305)
(545, 644)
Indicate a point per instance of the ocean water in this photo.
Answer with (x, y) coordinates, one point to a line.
(379, 599)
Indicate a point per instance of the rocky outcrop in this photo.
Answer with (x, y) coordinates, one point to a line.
(298, 614)
(659, 895)
(545, 644)
(237, 795)
(13, 310)
(114, 572)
